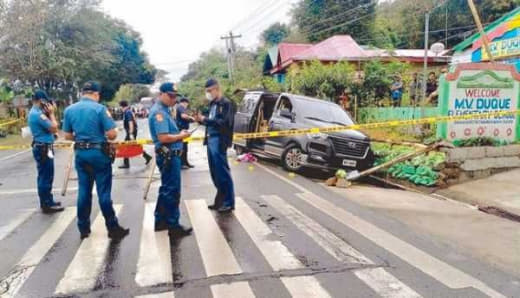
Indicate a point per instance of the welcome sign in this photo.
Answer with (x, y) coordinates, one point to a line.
(478, 88)
(503, 48)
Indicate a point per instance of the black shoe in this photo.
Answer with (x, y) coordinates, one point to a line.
(52, 209)
(179, 231)
(190, 166)
(185, 167)
(148, 159)
(84, 235)
(225, 209)
(57, 204)
(124, 167)
(214, 207)
(118, 233)
(161, 227)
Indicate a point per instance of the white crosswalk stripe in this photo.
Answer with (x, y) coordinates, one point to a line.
(154, 264)
(37, 252)
(83, 271)
(162, 295)
(13, 224)
(237, 289)
(382, 282)
(276, 254)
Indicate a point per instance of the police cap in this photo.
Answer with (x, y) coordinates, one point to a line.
(40, 95)
(211, 83)
(91, 86)
(168, 88)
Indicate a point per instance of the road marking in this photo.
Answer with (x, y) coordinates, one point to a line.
(17, 221)
(237, 289)
(276, 254)
(14, 155)
(444, 273)
(161, 295)
(378, 279)
(83, 271)
(154, 265)
(23, 270)
(216, 254)
(32, 191)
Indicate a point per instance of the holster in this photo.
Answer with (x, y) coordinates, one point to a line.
(110, 151)
(166, 154)
(44, 151)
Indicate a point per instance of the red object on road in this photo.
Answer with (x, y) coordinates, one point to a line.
(129, 151)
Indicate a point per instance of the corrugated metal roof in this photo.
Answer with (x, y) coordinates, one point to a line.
(339, 47)
(287, 51)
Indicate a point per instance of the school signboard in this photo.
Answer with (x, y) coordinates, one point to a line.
(477, 88)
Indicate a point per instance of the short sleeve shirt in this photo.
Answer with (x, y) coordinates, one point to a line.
(88, 121)
(40, 124)
(161, 122)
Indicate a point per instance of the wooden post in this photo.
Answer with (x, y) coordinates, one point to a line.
(483, 34)
(67, 172)
(150, 180)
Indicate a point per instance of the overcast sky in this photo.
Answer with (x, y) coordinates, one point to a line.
(175, 33)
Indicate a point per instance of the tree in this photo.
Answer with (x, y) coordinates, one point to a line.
(275, 34)
(320, 19)
(131, 93)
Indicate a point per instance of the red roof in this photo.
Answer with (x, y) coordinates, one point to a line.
(287, 51)
(335, 48)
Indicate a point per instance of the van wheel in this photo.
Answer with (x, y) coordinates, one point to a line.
(292, 158)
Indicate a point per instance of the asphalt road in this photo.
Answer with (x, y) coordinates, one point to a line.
(288, 237)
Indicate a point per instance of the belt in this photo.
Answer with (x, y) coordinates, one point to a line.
(86, 146)
(39, 144)
(173, 152)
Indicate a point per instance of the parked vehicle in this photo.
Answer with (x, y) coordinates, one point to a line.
(264, 111)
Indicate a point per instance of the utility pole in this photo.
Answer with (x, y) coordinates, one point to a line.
(485, 39)
(426, 49)
(231, 49)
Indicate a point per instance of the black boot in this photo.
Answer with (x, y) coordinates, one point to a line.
(118, 233)
(52, 209)
(147, 158)
(179, 231)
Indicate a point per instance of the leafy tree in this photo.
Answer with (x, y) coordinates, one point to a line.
(275, 34)
(131, 93)
(378, 77)
(320, 19)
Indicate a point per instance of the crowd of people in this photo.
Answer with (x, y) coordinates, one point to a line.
(92, 128)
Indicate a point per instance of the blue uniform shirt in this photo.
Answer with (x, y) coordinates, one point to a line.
(161, 122)
(128, 116)
(88, 120)
(182, 123)
(40, 124)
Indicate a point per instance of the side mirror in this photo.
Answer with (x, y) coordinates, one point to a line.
(287, 114)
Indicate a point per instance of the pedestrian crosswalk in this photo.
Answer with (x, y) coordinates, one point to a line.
(226, 271)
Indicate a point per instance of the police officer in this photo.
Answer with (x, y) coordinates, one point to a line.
(89, 124)
(183, 123)
(130, 125)
(219, 137)
(43, 125)
(168, 147)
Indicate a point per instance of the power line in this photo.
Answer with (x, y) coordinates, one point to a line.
(253, 15)
(342, 24)
(274, 8)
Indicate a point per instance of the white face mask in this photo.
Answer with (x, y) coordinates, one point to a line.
(209, 96)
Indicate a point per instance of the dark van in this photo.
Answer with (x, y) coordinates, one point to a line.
(264, 111)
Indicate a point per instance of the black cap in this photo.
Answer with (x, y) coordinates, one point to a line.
(168, 88)
(40, 95)
(184, 99)
(91, 86)
(123, 103)
(211, 83)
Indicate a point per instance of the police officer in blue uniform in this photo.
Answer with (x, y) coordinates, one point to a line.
(130, 125)
(43, 125)
(168, 147)
(219, 137)
(183, 123)
(89, 124)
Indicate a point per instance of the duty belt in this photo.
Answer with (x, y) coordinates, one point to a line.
(86, 146)
(173, 152)
(39, 144)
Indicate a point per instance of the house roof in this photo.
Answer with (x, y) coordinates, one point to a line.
(288, 50)
(335, 48)
(490, 28)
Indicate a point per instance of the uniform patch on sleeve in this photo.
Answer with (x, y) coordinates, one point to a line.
(159, 117)
(108, 114)
(43, 117)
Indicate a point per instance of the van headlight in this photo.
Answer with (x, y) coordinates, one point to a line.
(317, 136)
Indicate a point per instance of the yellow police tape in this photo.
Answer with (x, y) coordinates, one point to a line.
(10, 122)
(314, 130)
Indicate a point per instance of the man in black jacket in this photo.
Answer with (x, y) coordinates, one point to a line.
(219, 137)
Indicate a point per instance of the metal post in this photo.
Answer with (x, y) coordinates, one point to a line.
(425, 70)
(483, 34)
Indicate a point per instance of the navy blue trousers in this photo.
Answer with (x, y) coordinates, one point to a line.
(92, 166)
(220, 173)
(167, 208)
(45, 167)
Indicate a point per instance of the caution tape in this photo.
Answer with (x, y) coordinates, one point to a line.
(10, 122)
(314, 130)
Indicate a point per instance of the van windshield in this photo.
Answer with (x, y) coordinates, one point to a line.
(324, 113)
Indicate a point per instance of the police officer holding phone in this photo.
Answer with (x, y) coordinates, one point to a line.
(168, 148)
(90, 125)
(43, 125)
(130, 125)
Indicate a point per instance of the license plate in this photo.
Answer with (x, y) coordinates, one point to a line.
(349, 163)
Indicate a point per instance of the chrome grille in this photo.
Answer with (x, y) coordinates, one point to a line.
(349, 147)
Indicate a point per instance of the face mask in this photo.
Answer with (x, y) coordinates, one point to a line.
(209, 96)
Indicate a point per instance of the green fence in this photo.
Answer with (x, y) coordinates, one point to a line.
(370, 115)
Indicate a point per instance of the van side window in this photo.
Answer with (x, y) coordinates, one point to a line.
(285, 104)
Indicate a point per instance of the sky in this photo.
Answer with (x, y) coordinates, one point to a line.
(175, 33)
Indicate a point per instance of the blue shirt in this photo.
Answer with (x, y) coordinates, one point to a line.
(161, 122)
(88, 120)
(182, 123)
(127, 117)
(40, 124)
